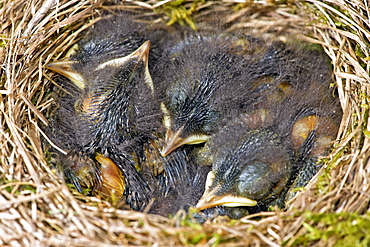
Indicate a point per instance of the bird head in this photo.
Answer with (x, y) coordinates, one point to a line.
(250, 170)
(123, 105)
(106, 46)
(88, 63)
(113, 101)
(201, 73)
(186, 126)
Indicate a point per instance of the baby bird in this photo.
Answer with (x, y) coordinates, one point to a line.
(110, 112)
(262, 153)
(253, 168)
(179, 185)
(208, 82)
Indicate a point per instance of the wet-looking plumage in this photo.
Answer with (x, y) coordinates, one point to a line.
(208, 79)
(147, 117)
(109, 111)
(259, 157)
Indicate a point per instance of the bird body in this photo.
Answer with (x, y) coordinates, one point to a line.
(110, 109)
(180, 185)
(252, 168)
(207, 86)
(146, 127)
(262, 153)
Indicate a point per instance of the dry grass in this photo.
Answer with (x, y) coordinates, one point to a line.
(37, 209)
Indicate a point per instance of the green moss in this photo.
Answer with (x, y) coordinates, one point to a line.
(343, 229)
(188, 220)
(48, 156)
(323, 180)
(195, 238)
(178, 13)
(3, 41)
(217, 238)
(194, 233)
(16, 187)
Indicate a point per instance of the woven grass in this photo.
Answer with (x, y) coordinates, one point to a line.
(38, 209)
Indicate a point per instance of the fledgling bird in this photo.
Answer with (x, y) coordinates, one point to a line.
(253, 168)
(111, 108)
(274, 145)
(208, 78)
(180, 183)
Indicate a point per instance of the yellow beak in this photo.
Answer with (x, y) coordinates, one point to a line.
(141, 54)
(210, 199)
(173, 140)
(64, 67)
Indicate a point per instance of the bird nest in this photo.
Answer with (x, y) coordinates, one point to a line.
(38, 209)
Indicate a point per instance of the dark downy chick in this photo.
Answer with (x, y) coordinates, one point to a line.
(253, 168)
(176, 181)
(110, 109)
(180, 185)
(261, 154)
(206, 78)
(102, 50)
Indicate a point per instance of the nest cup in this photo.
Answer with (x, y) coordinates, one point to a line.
(38, 209)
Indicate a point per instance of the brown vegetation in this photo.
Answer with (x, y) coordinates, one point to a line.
(38, 209)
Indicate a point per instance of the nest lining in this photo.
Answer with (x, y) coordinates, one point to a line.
(37, 208)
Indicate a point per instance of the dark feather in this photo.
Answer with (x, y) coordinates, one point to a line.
(209, 79)
(274, 145)
(181, 184)
(111, 109)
